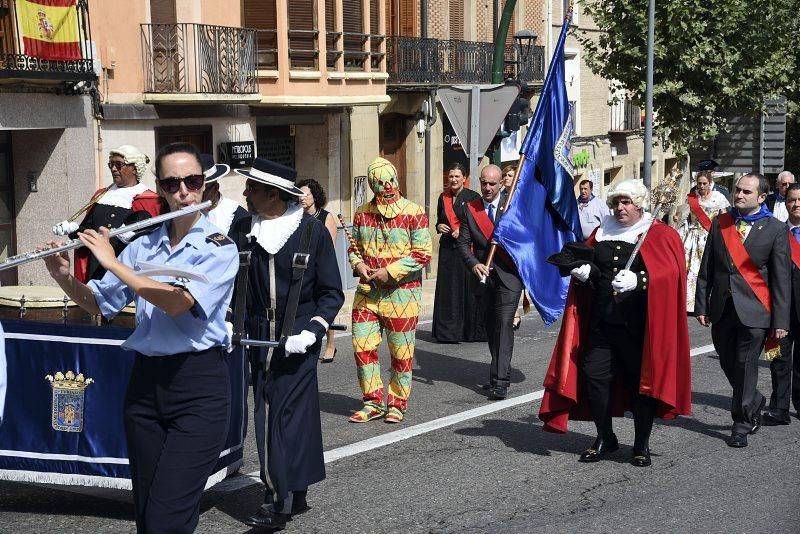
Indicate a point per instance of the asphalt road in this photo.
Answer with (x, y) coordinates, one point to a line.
(494, 470)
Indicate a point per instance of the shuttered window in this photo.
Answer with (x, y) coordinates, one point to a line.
(354, 38)
(408, 18)
(261, 15)
(303, 48)
(163, 12)
(332, 36)
(457, 19)
(376, 37)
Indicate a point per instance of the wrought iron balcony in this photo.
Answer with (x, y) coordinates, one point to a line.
(19, 63)
(199, 58)
(418, 61)
(625, 117)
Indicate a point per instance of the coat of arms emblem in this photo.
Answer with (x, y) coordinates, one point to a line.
(68, 400)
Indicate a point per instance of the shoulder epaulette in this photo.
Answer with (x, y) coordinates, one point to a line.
(219, 239)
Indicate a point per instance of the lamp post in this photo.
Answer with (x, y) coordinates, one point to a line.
(525, 39)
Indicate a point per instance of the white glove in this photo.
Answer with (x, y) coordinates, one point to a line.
(229, 328)
(624, 281)
(65, 227)
(126, 237)
(299, 343)
(581, 273)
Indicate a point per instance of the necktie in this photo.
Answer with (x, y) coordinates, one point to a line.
(491, 212)
(796, 233)
(741, 227)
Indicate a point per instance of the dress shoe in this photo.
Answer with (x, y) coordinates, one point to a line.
(757, 417)
(737, 440)
(264, 518)
(499, 393)
(600, 448)
(641, 457)
(773, 418)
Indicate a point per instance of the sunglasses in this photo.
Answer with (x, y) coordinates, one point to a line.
(193, 182)
(117, 165)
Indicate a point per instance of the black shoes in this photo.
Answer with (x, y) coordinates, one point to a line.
(641, 457)
(773, 418)
(499, 393)
(757, 417)
(737, 440)
(600, 448)
(264, 518)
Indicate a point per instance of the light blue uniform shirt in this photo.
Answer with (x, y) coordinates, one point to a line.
(200, 328)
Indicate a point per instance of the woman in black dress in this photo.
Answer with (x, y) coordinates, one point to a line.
(455, 312)
(314, 203)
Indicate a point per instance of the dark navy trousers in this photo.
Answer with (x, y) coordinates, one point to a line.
(176, 413)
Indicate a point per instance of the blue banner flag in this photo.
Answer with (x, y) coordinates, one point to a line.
(543, 214)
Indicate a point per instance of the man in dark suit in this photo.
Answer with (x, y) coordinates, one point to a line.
(743, 292)
(500, 294)
(785, 370)
(776, 201)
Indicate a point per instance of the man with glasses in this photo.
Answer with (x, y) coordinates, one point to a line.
(126, 200)
(291, 290)
(776, 201)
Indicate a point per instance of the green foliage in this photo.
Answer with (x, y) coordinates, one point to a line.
(712, 58)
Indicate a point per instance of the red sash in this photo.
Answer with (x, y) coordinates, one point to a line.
(487, 229)
(795, 248)
(702, 218)
(741, 259)
(447, 201)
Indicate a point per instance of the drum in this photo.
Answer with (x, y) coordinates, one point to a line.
(41, 304)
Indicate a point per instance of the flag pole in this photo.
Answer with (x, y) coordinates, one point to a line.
(493, 245)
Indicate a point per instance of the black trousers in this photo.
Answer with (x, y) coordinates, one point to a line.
(739, 348)
(176, 415)
(499, 305)
(785, 372)
(615, 351)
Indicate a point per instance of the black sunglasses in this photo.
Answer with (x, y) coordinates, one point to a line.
(193, 182)
(117, 165)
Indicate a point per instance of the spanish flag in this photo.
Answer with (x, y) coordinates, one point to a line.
(50, 29)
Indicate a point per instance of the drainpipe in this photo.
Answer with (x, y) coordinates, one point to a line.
(430, 120)
(423, 19)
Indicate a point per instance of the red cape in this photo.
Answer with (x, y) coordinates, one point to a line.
(147, 201)
(666, 368)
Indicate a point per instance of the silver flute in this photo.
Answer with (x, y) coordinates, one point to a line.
(21, 259)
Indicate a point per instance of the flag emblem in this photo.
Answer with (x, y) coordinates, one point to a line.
(68, 400)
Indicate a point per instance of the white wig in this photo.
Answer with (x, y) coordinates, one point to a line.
(633, 189)
(132, 156)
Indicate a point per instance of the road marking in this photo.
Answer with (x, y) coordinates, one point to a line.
(236, 483)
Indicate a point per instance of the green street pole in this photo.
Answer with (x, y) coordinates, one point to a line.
(498, 63)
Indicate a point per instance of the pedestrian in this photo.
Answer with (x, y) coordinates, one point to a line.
(392, 245)
(591, 209)
(223, 211)
(509, 171)
(624, 341)
(703, 204)
(785, 369)
(314, 203)
(177, 404)
(707, 167)
(293, 292)
(743, 293)
(499, 289)
(456, 316)
(126, 200)
(776, 201)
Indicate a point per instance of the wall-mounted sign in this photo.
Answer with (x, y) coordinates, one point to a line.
(238, 154)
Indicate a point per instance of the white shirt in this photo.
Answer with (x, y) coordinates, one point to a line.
(780, 212)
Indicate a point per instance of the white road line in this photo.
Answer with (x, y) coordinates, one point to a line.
(236, 483)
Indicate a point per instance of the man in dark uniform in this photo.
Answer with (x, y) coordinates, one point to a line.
(743, 294)
(294, 292)
(500, 297)
(785, 369)
(224, 212)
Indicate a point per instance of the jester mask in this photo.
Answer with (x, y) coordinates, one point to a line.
(382, 177)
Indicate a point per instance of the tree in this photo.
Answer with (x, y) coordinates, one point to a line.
(713, 58)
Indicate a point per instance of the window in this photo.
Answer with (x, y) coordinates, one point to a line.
(354, 37)
(456, 13)
(199, 135)
(303, 50)
(261, 15)
(333, 37)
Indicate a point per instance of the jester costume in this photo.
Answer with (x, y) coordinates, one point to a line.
(389, 232)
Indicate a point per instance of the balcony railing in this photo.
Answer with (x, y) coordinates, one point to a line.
(418, 61)
(16, 62)
(199, 58)
(625, 117)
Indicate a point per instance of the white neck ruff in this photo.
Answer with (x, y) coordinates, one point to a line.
(121, 197)
(611, 230)
(272, 234)
(222, 215)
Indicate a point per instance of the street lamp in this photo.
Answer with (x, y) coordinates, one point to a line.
(525, 40)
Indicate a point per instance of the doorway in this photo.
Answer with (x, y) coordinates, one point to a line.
(8, 245)
(394, 130)
(199, 135)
